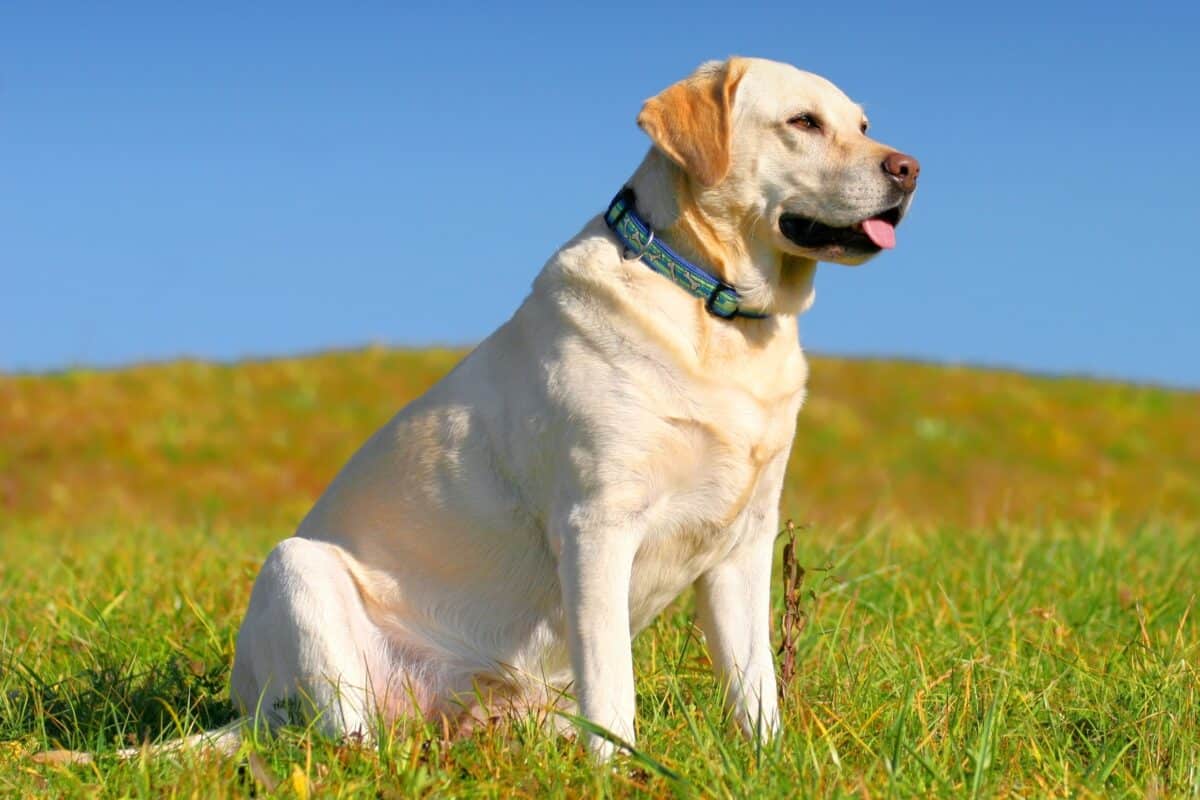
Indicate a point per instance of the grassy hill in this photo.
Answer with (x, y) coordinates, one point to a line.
(998, 598)
(255, 443)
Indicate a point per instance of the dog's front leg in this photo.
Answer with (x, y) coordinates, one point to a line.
(594, 569)
(733, 608)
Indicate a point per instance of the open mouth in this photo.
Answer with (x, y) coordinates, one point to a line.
(868, 236)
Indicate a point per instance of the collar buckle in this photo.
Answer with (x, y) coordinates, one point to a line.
(722, 291)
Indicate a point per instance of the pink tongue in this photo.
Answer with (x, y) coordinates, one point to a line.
(882, 233)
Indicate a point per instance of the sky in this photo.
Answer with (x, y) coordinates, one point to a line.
(250, 180)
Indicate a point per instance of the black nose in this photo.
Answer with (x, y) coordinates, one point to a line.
(903, 169)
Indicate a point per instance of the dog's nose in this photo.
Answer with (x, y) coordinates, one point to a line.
(903, 169)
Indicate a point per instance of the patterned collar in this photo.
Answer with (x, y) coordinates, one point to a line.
(636, 236)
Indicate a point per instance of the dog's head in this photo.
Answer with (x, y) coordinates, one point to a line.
(784, 156)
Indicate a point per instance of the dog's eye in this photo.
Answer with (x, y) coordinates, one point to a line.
(806, 121)
(864, 127)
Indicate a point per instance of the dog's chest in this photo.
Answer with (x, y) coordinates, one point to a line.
(715, 480)
(711, 455)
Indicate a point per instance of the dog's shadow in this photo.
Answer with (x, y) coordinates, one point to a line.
(115, 703)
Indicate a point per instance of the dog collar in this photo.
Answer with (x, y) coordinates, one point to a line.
(637, 237)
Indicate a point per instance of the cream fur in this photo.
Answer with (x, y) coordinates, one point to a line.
(497, 544)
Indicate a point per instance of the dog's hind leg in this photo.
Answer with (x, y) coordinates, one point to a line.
(307, 647)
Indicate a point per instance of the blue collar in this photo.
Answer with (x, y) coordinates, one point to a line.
(636, 236)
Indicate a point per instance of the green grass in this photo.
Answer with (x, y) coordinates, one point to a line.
(1005, 661)
(1043, 650)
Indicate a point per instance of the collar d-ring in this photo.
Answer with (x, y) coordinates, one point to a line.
(625, 254)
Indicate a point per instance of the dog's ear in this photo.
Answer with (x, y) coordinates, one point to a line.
(691, 121)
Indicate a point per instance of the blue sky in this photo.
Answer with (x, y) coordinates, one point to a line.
(256, 179)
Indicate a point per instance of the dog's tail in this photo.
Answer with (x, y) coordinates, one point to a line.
(224, 740)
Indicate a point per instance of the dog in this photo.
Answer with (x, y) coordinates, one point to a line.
(496, 545)
(622, 437)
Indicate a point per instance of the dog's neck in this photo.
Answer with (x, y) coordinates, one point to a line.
(767, 280)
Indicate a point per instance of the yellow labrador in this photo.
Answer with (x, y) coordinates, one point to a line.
(621, 438)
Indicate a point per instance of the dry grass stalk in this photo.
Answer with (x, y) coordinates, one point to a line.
(794, 617)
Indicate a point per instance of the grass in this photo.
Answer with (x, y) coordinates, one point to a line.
(1000, 574)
